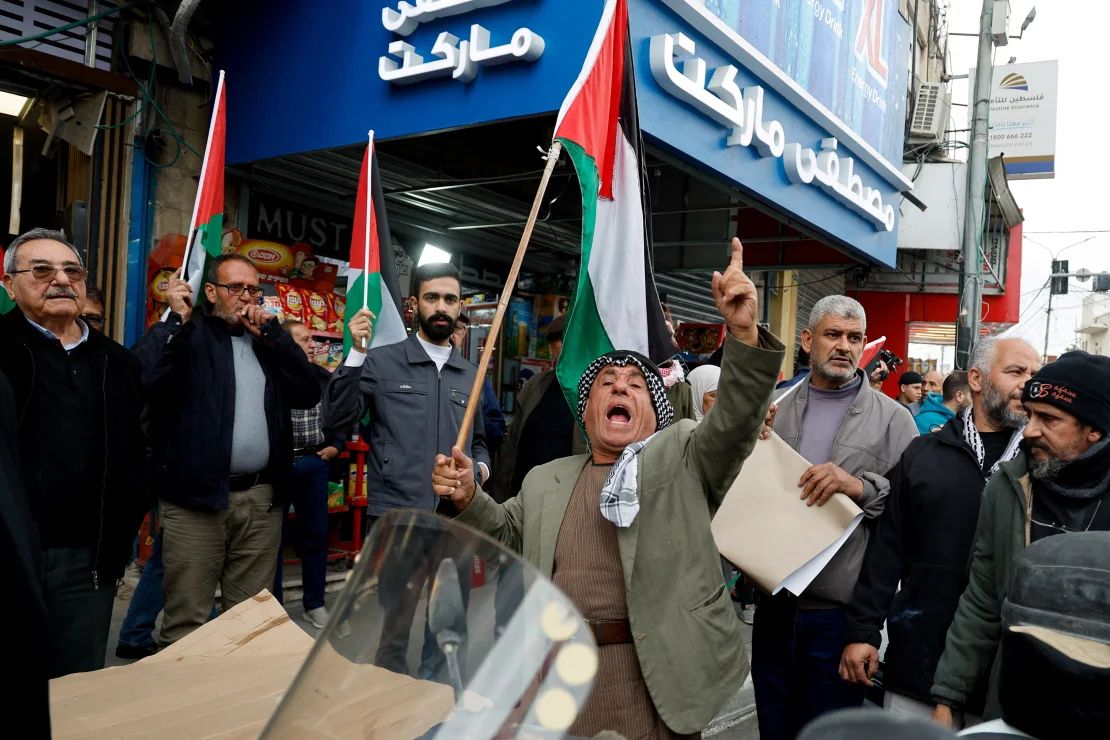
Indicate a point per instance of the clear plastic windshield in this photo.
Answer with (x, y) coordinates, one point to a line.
(441, 632)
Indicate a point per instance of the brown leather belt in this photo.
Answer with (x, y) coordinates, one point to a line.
(610, 631)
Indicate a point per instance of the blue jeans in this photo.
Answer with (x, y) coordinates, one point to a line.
(310, 500)
(147, 601)
(795, 666)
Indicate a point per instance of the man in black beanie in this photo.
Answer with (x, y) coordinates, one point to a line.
(1059, 484)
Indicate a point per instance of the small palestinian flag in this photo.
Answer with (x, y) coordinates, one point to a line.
(207, 224)
(616, 304)
(372, 278)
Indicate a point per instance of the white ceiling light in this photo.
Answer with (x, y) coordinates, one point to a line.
(11, 104)
(433, 253)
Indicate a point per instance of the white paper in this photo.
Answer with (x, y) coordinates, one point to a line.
(800, 579)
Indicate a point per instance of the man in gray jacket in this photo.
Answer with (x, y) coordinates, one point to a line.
(416, 392)
(852, 436)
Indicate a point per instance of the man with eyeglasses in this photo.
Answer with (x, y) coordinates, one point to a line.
(219, 384)
(80, 444)
(93, 312)
(1059, 484)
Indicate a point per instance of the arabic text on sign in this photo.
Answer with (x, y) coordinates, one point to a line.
(455, 58)
(405, 19)
(683, 75)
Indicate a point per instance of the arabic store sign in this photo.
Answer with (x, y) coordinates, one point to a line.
(1023, 119)
(682, 74)
(454, 58)
(708, 94)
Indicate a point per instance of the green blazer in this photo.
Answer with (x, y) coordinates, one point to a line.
(686, 633)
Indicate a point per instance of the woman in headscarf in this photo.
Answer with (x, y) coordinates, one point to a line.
(703, 383)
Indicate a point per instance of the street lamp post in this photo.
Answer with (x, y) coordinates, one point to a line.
(971, 256)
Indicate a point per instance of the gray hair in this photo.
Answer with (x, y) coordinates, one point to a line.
(983, 354)
(840, 306)
(985, 351)
(35, 235)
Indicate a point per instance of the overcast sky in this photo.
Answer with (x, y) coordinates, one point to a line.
(1058, 212)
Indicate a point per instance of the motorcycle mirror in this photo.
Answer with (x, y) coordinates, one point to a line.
(446, 612)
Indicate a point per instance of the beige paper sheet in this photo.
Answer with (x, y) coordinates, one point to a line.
(763, 525)
(225, 680)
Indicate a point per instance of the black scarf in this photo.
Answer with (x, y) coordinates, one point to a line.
(1085, 477)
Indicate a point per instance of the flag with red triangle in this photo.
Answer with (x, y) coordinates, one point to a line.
(207, 224)
(372, 276)
(616, 304)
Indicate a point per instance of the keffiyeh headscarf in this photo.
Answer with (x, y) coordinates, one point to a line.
(664, 412)
(620, 501)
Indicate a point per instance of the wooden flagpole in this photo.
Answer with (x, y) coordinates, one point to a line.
(503, 304)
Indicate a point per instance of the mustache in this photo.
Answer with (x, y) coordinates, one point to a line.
(438, 317)
(60, 292)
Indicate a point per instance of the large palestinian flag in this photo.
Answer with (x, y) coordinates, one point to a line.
(372, 277)
(206, 227)
(616, 304)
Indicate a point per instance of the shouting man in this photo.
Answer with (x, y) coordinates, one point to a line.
(613, 527)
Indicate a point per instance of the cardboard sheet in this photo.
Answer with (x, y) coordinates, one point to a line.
(766, 529)
(226, 679)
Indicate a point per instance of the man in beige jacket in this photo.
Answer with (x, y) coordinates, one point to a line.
(624, 531)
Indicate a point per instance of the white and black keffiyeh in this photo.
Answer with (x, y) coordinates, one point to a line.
(664, 412)
(975, 442)
(620, 500)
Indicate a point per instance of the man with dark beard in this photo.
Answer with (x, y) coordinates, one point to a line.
(1057, 485)
(416, 392)
(923, 539)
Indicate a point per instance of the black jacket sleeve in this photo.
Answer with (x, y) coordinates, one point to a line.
(294, 373)
(164, 357)
(882, 563)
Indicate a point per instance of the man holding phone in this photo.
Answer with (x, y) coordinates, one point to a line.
(219, 385)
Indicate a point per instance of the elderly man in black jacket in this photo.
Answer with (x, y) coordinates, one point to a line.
(81, 448)
(219, 387)
(924, 536)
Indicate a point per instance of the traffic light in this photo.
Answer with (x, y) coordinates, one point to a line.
(1059, 285)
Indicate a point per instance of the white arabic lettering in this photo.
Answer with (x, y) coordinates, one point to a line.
(682, 74)
(457, 59)
(405, 19)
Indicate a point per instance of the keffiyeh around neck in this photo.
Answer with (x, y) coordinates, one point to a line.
(620, 498)
(975, 442)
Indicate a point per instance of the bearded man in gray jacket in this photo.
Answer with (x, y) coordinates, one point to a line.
(852, 435)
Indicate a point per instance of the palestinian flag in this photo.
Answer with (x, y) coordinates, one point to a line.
(6, 303)
(206, 227)
(616, 304)
(372, 277)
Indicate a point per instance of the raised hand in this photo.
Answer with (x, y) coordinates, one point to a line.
(361, 327)
(180, 296)
(736, 298)
(453, 478)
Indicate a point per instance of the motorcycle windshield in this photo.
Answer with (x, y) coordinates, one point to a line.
(440, 632)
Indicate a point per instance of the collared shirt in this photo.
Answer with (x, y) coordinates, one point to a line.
(308, 427)
(51, 335)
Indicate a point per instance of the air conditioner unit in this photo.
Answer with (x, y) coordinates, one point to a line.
(930, 113)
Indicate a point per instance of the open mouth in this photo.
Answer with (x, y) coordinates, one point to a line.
(619, 415)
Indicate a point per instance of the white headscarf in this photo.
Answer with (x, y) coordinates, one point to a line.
(703, 379)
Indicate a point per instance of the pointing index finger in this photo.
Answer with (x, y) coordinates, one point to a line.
(737, 258)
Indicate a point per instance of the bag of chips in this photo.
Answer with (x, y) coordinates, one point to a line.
(292, 302)
(271, 304)
(315, 311)
(337, 307)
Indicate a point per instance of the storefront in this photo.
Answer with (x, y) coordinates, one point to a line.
(782, 125)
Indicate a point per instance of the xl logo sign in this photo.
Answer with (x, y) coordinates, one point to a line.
(869, 40)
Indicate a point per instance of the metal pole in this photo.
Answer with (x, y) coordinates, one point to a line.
(1047, 322)
(971, 288)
